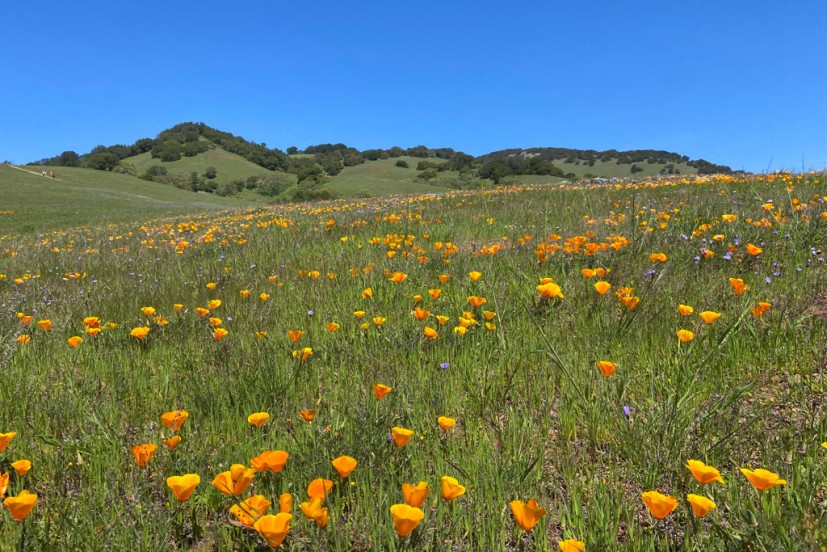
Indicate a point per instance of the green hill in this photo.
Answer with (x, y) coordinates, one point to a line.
(86, 197)
(228, 166)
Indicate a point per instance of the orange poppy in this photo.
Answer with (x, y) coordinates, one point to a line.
(174, 419)
(526, 514)
(401, 435)
(381, 390)
(273, 528)
(451, 489)
(183, 485)
(258, 419)
(143, 454)
(344, 465)
(20, 506)
(415, 495)
(274, 460)
(406, 518)
(659, 504)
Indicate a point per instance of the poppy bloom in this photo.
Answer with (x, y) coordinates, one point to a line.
(709, 317)
(258, 419)
(5, 439)
(526, 514)
(148, 311)
(140, 332)
(659, 505)
(21, 505)
(23, 339)
(550, 290)
(367, 293)
(250, 510)
(701, 505)
(474, 275)
(398, 277)
(220, 333)
(234, 481)
(359, 314)
(441, 319)
(421, 314)
(401, 436)
(92, 322)
(244, 293)
(378, 320)
(74, 341)
(606, 367)
(273, 528)
(451, 489)
(307, 415)
(476, 301)
(602, 287)
(762, 307)
(22, 467)
(685, 336)
(174, 419)
(763, 479)
(443, 278)
(657, 258)
(435, 293)
(25, 319)
(729, 218)
(211, 286)
(261, 334)
(754, 250)
(183, 485)
(415, 495)
(344, 465)
(629, 302)
(446, 423)
(685, 310)
(313, 510)
(178, 306)
(571, 545)
(703, 473)
(274, 460)
(738, 286)
(406, 518)
(295, 335)
(319, 488)
(45, 325)
(172, 442)
(381, 390)
(143, 454)
(264, 297)
(214, 322)
(214, 304)
(285, 503)
(4, 483)
(303, 354)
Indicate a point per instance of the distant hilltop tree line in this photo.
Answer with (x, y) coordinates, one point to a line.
(318, 161)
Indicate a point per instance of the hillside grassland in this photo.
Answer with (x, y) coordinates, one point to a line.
(587, 343)
(229, 166)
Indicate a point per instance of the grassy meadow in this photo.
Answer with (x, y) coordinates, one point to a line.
(548, 343)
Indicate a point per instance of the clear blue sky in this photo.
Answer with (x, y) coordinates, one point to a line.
(737, 82)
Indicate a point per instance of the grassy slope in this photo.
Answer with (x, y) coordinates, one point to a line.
(611, 169)
(229, 165)
(82, 197)
(382, 177)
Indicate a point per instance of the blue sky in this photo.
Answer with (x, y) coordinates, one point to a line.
(742, 83)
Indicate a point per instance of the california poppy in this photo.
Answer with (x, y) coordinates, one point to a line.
(602, 287)
(250, 510)
(606, 367)
(754, 250)
(701, 505)
(406, 518)
(571, 545)
(659, 504)
(435, 293)
(234, 481)
(140, 332)
(378, 320)
(344, 465)
(446, 423)
(550, 290)
(415, 495)
(709, 317)
(21, 505)
(172, 442)
(475, 275)
(274, 460)
(763, 479)
(174, 419)
(45, 325)
(367, 293)
(143, 453)
(307, 415)
(381, 390)
(685, 336)
(148, 311)
(273, 528)
(220, 333)
(4, 483)
(451, 489)
(92, 322)
(319, 488)
(314, 510)
(476, 301)
(5, 439)
(183, 485)
(421, 314)
(657, 258)
(295, 335)
(21, 467)
(401, 436)
(285, 503)
(738, 286)
(703, 473)
(258, 419)
(201, 311)
(74, 341)
(303, 354)
(398, 277)
(23, 339)
(685, 310)
(526, 514)
(214, 304)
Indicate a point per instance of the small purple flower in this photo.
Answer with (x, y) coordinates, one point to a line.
(444, 365)
(767, 280)
(627, 411)
(310, 313)
(650, 272)
(728, 256)
(389, 438)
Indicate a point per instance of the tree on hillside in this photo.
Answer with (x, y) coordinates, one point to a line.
(210, 173)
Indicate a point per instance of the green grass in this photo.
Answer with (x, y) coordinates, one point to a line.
(383, 177)
(85, 197)
(610, 169)
(229, 166)
(535, 417)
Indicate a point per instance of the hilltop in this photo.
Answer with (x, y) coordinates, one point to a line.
(196, 157)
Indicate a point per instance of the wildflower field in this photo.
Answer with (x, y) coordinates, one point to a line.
(635, 366)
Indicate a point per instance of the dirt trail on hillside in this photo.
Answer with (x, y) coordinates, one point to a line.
(40, 174)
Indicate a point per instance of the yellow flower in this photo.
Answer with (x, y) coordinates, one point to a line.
(22, 467)
(442, 320)
(285, 503)
(378, 320)
(258, 419)
(446, 423)
(4, 483)
(476, 301)
(401, 435)
(21, 505)
(406, 518)
(201, 311)
(344, 465)
(381, 390)
(435, 293)
(659, 504)
(451, 489)
(398, 277)
(606, 367)
(178, 306)
(571, 545)
(45, 325)
(139, 332)
(443, 278)
(211, 286)
(148, 311)
(685, 310)
(415, 495)
(215, 321)
(367, 293)
(359, 314)
(183, 485)
(474, 275)
(701, 505)
(303, 354)
(550, 290)
(244, 293)
(23, 339)
(709, 317)
(703, 473)
(264, 297)
(685, 336)
(657, 258)
(143, 454)
(174, 419)
(754, 250)
(234, 481)
(5, 439)
(602, 287)
(92, 322)
(332, 326)
(314, 510)
(763, 479)
(526, 515)
(74, 341)
(273, 528)
(261, 334)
